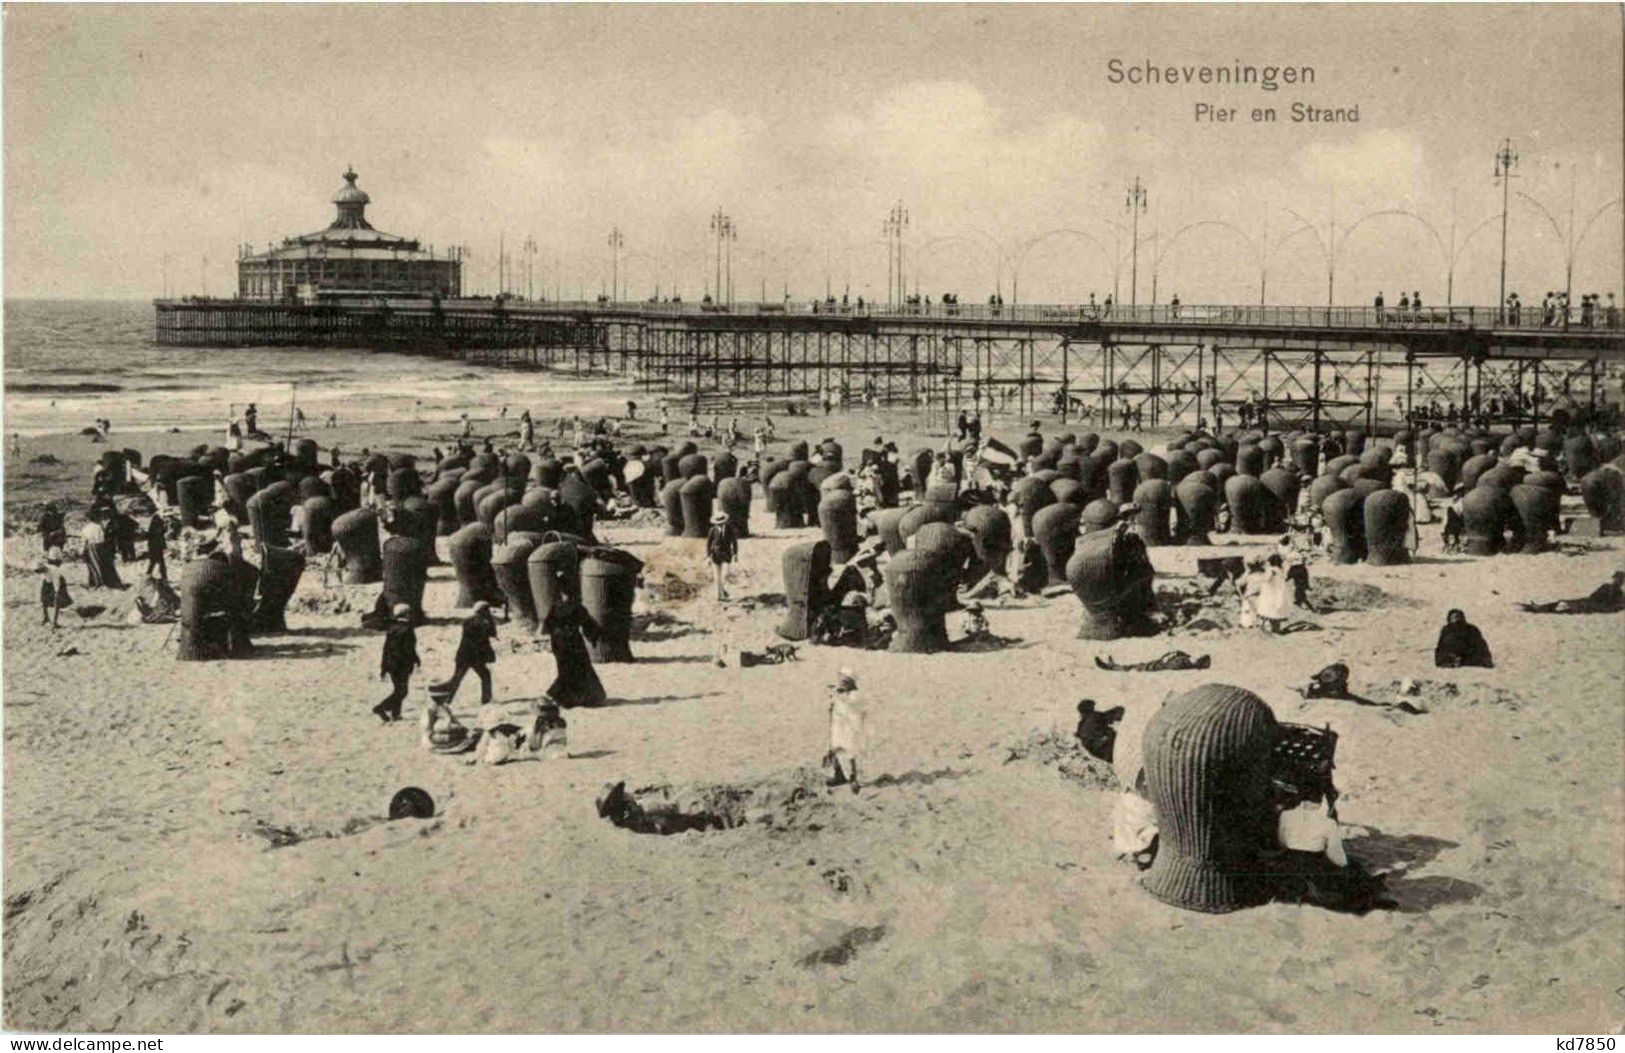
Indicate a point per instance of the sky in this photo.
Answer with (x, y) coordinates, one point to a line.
(144, 145)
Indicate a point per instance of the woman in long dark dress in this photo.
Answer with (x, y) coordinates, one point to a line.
(577, 683)
(1461, 644)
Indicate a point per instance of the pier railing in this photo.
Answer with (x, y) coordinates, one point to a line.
(1194, 315)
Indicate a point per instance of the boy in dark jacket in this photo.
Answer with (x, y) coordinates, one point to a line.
(399, 659)
(722, 548)
(474, 651)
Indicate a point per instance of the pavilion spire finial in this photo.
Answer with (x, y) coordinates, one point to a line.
(352, 203)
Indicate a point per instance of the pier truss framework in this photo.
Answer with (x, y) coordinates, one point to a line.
(1159, 370)
(1089, 378)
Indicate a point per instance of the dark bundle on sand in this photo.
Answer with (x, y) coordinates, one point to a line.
(1172, 661)
(624, 810)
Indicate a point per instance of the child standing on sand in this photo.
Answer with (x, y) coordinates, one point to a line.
(848, 731)
(53, 589)
(399, 658)
(722, 548)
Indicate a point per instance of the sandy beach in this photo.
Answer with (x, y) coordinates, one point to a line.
(201, 846)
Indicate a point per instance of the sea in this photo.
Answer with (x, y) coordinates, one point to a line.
(67, 363)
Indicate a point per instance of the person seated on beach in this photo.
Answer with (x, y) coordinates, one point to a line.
(1461, 644)
(1027, 568)
(1525, 457)
(845, 624)
(1330, 682)
(976, 627)
(1607, 598)
(442, 731)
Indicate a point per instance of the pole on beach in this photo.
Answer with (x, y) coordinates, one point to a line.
(293, 406)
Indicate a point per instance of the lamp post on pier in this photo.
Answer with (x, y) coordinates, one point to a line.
(895, 223)
(615, 243)
(722, 227)
(1135, 204)
(1505, 160)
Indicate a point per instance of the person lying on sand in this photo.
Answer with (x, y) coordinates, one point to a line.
(1607, 598)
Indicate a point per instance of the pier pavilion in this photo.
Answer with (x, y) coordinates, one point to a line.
(348, 258)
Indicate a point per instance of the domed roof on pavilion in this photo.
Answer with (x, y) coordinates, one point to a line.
(349, 234)
(351, 194)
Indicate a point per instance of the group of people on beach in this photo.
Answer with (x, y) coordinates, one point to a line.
(1272, 593)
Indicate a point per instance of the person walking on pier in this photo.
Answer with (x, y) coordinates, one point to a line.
(1376, 305)
(1611, 313)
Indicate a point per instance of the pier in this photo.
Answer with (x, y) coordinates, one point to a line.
(1312, 367)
